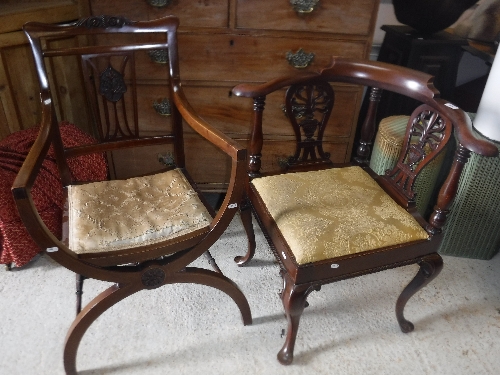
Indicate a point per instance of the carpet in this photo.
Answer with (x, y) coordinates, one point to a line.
(349, 328)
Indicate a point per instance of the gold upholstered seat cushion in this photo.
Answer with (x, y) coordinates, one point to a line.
(120, 214)
(335, 212)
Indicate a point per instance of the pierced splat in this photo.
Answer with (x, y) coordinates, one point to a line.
(115, 111)
(309, 107)
(426, 135)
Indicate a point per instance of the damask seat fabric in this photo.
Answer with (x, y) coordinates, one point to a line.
(120, 214)
(335, 212)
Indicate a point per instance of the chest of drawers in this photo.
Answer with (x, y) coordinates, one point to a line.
(226, 42)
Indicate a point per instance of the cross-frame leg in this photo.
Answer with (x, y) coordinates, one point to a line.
(153, 276)
(88, 315)
(430, 267)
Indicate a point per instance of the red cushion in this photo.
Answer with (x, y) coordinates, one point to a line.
(16, 244)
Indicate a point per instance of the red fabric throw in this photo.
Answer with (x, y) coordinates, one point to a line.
(16, 244)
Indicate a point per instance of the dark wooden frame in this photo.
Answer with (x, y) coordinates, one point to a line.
(141, 268)
(301, 280)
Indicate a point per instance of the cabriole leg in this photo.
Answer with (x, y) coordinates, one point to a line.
(246, 219)
(294, 301)
(430, 267)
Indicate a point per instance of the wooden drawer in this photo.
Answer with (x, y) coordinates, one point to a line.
(332, 16)
(244, 58)
(213, 169)
(191, 13)
(207, 165)
(274, 152)
(233, 115)
(136, 161)
(151, 121)
(215, 166)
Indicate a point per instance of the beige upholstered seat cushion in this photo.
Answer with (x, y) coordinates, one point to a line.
(335, 212)
(120, 214)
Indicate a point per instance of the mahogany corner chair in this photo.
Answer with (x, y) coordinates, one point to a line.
(326, 222)
(138, 232)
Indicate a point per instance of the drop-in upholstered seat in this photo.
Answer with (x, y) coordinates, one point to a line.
(335, 212)
(99, 227)
(327, 222)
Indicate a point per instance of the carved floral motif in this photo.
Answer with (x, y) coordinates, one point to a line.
(111, 84)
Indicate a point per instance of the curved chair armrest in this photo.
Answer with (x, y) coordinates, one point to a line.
(21, 191)
(402, 80)
(203, 128)
(412, 83)
(464, 131)
(238, 178)
(33, 162)
(254, 91)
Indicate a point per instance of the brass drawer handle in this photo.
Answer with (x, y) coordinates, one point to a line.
(303, 6)
(300, 59)
(159, 3)
(163, 108)
(282, 162)
(159, 56)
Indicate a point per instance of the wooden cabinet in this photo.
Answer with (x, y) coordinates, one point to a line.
(437, 54)
(221, 43)
(19, 102)
(226, 42)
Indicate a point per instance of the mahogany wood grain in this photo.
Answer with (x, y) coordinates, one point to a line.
(207, 14)
(339, 17)
(239, 57)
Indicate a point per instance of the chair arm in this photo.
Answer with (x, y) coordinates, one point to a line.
(203, 128)
(33, 162)
(238, 179)
(464, 131)
(254, 91)
(43, 237)
(405, 81)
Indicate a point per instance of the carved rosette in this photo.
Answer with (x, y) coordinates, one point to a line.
(153, 278)
(111, 84)
(309, 101)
